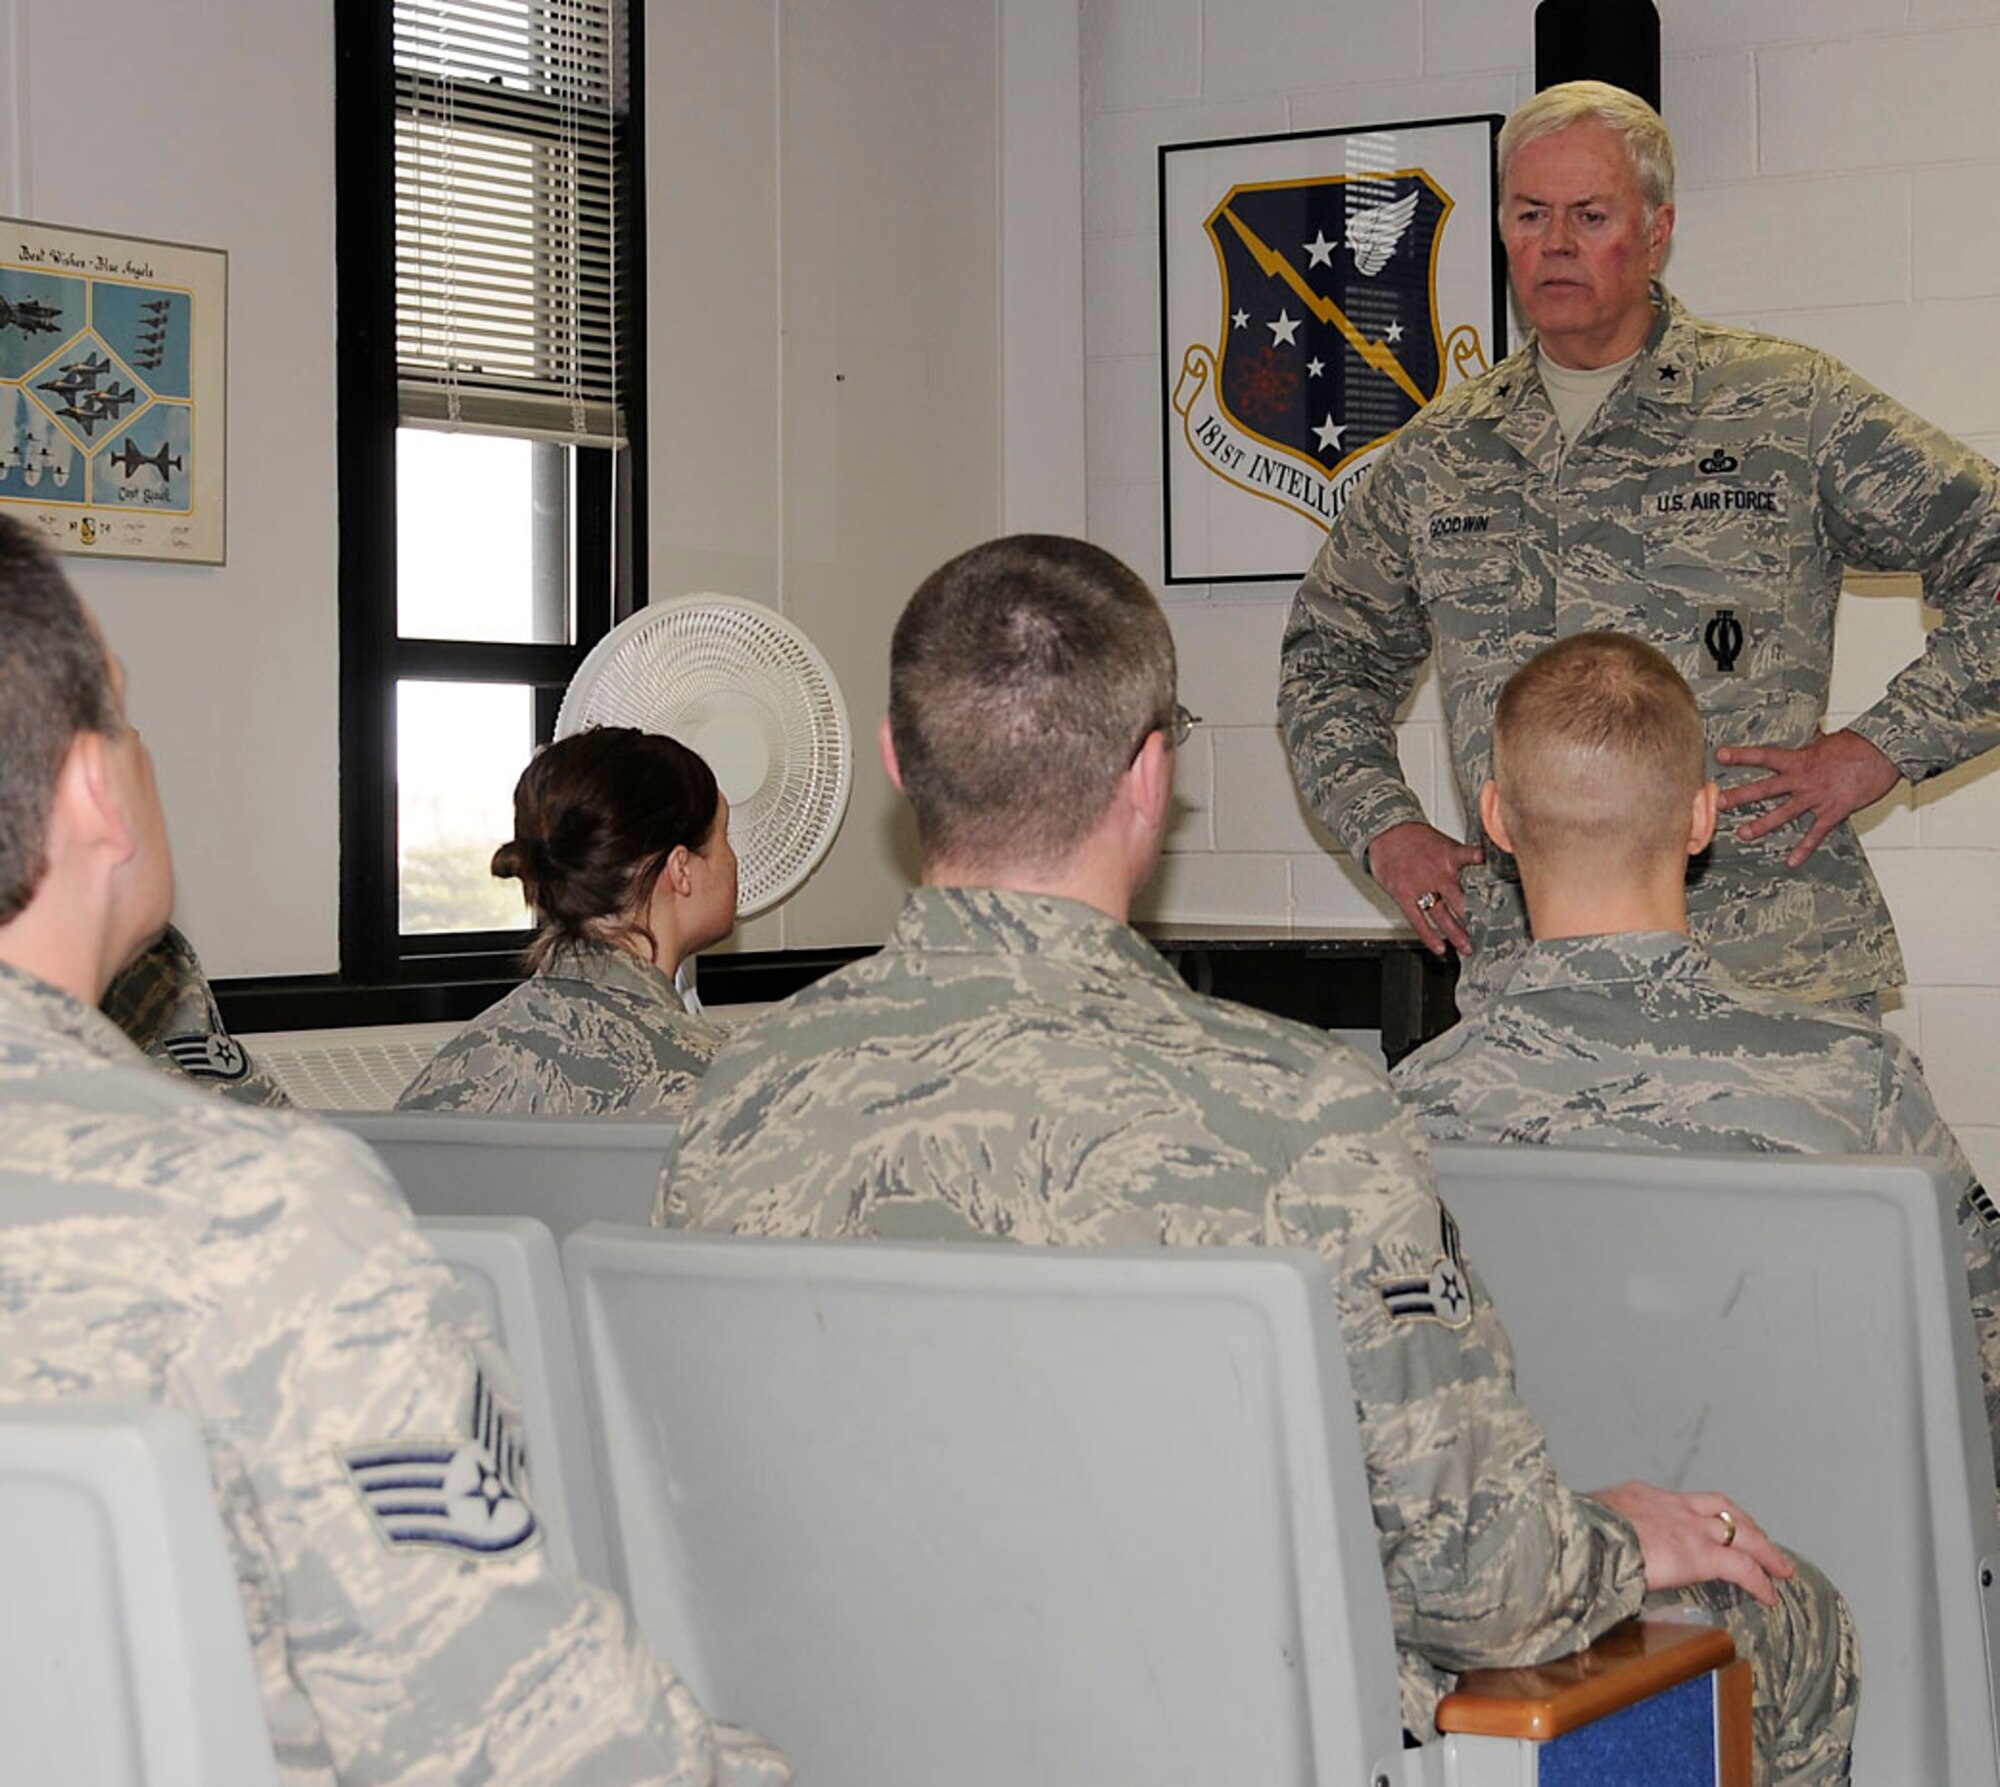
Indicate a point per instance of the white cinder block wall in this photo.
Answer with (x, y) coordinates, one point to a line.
(1839, 184)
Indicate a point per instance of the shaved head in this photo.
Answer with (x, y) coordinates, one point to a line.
(1598, 751)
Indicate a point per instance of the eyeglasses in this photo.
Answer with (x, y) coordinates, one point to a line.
(1178, 729)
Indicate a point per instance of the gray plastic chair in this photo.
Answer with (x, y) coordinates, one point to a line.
(1791, 1330)
(123, 1656)
(561, 1171)
(988, 1515)
(510, 1264)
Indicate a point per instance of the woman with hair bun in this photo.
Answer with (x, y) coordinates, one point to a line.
(621, 846)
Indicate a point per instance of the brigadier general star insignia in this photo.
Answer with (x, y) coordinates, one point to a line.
(463, 1494)
(1443, 1294)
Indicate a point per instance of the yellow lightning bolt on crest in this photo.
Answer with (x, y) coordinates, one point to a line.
(1374, 353)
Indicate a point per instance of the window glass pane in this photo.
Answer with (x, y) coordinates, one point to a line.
(460, 748)
(482, 537)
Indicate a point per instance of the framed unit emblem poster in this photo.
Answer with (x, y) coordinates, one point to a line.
(111, 392)
(1316, 291)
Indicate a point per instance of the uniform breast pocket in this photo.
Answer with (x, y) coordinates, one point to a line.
(1468, 552)
(1718, 537)
(1717, 586)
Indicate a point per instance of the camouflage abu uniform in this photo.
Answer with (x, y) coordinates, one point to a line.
(1708, 509)
(163, 1003)
(258, 1272)
(1025, 1067)
(596, 1031)
(1642, 1040)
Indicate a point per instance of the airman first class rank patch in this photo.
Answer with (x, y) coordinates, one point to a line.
(463, 1494)
(1443, 1295)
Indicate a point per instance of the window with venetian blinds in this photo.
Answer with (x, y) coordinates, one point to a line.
(508, 120)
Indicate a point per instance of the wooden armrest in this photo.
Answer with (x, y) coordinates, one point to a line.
(1630, 1663)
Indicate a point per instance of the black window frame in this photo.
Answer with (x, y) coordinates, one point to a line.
(607, 576)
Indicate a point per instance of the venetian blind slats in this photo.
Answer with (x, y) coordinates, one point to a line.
(508, 115)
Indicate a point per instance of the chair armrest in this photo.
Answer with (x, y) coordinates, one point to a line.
(1632, 1662)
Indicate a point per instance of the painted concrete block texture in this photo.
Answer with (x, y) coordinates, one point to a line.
(1893, 99)
(1712, 100)
(1961, 1036)
(1262, 46)
(1253, 890)
(1127, 519)
(1722, 258)
(1943, 902)
(1121, 296)
(1955, 231)
(1140, 52)
(1121, 153)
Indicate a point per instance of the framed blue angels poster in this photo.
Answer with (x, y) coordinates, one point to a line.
(1316, 290)
(111, 392)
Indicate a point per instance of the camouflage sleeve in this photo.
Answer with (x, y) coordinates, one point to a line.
(597, 1064)
(163, 1002)
(1490, 1559)
(1354, 643)
(1899, 495)
(1908, 1122)
(373, 1422)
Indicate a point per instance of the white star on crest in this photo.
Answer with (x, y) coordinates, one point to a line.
(1241, 320)
(1321, 250)
(1285, 329)
(1328, 433)
(1393, 334)
(1314, 368)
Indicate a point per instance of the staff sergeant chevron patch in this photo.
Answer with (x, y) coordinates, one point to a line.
(207, 1055)
(464, 1494)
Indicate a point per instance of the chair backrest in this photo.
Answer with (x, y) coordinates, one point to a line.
(1792, 1330)
(979, 1514)
(510, 1264)
(561, 1171)
(123, 1656)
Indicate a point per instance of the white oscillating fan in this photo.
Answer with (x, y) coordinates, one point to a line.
(738, 683)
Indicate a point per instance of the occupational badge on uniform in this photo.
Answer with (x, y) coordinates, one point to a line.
(1717, 463)
(1321, 289)
(206, 1055)
(1723, 638)
(1983, 1205)
(465, 1493)
(1442, 1295)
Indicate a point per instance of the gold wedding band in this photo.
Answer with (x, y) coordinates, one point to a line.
(1728, 1525)
(1425, 901)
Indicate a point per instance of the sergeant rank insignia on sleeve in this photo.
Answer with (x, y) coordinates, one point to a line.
(1442, 1295)
(207, 1055)
(464, 1494)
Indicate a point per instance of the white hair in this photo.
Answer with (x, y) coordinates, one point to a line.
(1641, 129)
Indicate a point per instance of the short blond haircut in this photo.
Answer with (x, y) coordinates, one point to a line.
(1641, 129)
(1598, 752)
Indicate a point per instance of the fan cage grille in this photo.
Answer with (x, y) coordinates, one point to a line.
(681, 667)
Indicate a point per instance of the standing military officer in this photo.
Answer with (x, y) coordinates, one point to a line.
(1635, 468)
(1616, 1028)
(1018, 1062)
(260, 1273)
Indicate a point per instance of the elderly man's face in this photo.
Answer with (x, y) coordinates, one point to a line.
(1579, 245)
